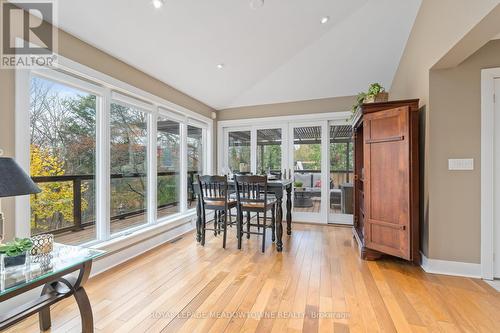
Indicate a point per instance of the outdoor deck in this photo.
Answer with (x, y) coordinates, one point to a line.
(88, 234)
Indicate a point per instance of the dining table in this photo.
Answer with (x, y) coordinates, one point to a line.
(277, 187)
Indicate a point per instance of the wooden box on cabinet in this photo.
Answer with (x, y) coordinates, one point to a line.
(386, 184)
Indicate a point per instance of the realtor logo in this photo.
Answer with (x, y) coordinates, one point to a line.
(28, 38)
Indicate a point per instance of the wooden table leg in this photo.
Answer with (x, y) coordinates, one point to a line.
(73, 285)
(279, 225)
(86, 315)
(82, 299)
(198, 221)
(44, 315)
(289, 210)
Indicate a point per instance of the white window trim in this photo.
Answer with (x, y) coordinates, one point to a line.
(131, 101)
(206, 153)
(488, 195)
(107, 88)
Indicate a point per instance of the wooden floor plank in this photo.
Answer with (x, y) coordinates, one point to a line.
(317, 284)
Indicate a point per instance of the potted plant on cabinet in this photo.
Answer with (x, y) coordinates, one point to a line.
(375, 94)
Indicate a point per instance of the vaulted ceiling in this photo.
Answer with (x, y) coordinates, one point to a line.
(279, 52)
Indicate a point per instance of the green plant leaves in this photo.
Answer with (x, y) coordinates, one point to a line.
(16, 247)
(373, 90)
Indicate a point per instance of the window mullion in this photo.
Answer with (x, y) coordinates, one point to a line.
(183, 168)
(253, 150)
(152, 167)
(103, 173)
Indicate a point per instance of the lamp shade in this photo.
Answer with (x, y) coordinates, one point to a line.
(13, 180)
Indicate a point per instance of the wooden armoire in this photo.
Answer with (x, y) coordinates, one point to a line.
(386, 184)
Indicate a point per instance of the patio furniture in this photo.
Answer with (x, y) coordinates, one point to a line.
(251, 196)
(346, 198)
(301, 198)
(276, 174)
(335, 198)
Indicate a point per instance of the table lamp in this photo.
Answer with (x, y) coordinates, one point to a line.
(13, 182)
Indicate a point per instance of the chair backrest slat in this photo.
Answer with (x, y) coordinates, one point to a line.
(251, 188)
(212, 188)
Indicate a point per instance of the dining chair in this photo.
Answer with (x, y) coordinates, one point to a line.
(252, 197)
(276, 174)
(213, 195)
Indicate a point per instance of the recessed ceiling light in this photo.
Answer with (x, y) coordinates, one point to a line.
(158, 3)
(220, 66)
(255, 4)
(325, 19)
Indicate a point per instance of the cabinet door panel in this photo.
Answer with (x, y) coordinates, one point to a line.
(387, 199)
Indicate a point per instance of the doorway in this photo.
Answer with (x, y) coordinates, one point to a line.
(341, 173)
(490, 173)
(307, 160)
(496, 224)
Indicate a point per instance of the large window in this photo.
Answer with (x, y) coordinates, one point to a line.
(63, 160)
(194, 160)
(108, 157)
(168, 164)
(128, 163)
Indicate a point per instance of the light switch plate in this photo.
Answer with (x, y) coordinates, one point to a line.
(461, 164)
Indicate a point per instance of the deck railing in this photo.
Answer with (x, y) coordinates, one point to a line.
(77, 180)
(342, 176)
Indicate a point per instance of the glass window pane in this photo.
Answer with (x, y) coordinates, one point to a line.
(307, 169)
(269, 151)
(63, 145)
(168, 164)
(195, 161)
(128, 161)
(239, 151)
(341, 169)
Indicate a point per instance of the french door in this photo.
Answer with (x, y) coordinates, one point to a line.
(308, 164)
(316, 155)
(340, 172)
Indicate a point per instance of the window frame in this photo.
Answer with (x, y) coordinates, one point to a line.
(225, 161)
(108, 89)
(129, 102)
(169, 115)
(205, 156)
(24, 147)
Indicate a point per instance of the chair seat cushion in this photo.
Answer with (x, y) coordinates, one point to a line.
(260, 204)
(219, 202)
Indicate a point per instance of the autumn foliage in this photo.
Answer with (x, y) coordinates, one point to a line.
(55, 197)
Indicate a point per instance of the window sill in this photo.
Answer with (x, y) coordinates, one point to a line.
(121, 242)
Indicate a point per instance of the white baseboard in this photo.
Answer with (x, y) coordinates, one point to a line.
(494, 283)
(445, 267)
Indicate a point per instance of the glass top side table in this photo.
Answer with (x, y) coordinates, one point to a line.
(53, 271)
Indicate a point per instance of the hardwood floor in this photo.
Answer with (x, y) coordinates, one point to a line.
(318, 284)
